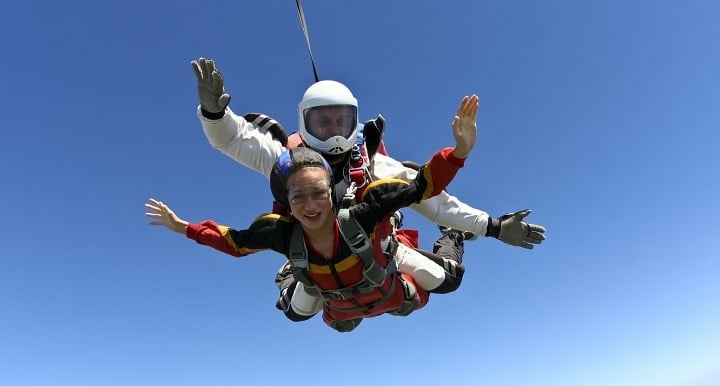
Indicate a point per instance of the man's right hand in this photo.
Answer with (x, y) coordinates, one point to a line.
(212, 95)
(515, 231)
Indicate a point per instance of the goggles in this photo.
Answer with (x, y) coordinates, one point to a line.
(318, 191)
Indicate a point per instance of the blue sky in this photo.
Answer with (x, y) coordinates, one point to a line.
(600, 116)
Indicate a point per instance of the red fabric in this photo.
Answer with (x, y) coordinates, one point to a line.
(438, 173)
(209, 233)
(409, 237)
(381, 149)
(294, 140)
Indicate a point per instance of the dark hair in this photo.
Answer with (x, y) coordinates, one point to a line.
(289, 162)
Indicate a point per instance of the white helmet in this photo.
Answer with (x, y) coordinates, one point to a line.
(327, 93)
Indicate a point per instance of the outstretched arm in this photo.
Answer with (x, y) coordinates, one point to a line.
(247, 143)
(386, 196)
(464, 127)
(266, 232)
(448, 210)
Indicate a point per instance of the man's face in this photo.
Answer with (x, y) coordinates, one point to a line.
(325, 122)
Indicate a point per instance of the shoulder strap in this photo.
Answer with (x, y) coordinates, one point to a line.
(294, 140)
(359, 242)
(299, 259)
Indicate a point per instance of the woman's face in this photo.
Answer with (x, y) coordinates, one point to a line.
(309, 196)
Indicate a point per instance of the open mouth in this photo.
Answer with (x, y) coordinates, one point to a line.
(312, 217)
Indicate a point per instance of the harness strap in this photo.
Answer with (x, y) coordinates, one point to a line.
(359, 243)
(357, 169)
(411, 303)
(363, 287)
(299, 260)
(367, 308)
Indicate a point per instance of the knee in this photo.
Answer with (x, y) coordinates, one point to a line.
(295, 317)
(453, 278)
(286, 293)
(344, 325)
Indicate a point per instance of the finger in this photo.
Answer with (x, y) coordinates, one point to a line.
(217, 81)
(456, 124)
(211, 70)
(461, 107)
(469, 107)
(196, 69)
(522, 214)
(207, 68)
(527, 245)
(535, 238)
(474, 105)
(202, 67)
(153, 209)
(537, 228)
(224, 99)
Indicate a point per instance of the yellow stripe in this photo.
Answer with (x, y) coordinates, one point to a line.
(226, 235)
(342, 266)
(430, 185)
(271, 216)
(248, 251)
(382, 181)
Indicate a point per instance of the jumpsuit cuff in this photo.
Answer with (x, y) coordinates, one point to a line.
(212, 116)
(447, 154)
(192, 231)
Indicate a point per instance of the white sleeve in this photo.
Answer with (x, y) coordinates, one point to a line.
(442, 209)
(242, 141)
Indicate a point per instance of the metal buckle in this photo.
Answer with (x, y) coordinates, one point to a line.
(335, 294)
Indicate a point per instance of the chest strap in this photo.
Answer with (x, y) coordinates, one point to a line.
(359, 242)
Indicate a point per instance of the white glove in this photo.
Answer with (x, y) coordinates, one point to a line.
(213, 98)
(516, 232)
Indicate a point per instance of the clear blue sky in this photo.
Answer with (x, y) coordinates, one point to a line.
(600, 116)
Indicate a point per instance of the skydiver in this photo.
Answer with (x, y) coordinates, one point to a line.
(257, 147)
(335, 274)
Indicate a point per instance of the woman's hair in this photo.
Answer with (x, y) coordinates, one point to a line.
(289, 162)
